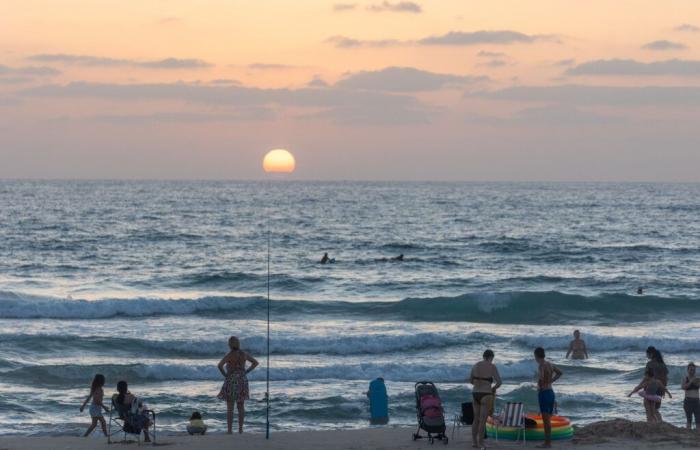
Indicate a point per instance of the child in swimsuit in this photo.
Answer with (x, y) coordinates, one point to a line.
(652, 391)
(97, 405)
(197, 425)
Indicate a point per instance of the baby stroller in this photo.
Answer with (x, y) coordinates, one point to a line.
(431, 416)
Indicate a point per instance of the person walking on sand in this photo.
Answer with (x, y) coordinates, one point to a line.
(655, 368)
(577, 347)
(547, 374)
(235, 387)
(691, 402)
(97, 395)
(486, 380)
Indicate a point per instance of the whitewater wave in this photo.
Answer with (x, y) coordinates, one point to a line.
(507, 307)
(61, 374)
(280, 345)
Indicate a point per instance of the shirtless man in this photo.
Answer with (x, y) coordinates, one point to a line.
(547, 374)
(577, 347)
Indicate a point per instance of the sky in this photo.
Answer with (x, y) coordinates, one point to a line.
(539, 90)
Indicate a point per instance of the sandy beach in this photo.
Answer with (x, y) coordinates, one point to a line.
(608, 435)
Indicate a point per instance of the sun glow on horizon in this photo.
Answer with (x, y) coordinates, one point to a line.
(279, 161)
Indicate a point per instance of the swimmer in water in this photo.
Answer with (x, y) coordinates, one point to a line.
(325, 259)
(399, 258)
(640, 290)
(577, 347)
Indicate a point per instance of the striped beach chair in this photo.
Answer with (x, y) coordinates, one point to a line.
(512, 415)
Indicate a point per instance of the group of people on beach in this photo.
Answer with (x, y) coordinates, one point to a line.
(484, 377)
(486, 380)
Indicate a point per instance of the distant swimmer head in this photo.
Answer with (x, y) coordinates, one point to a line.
(640, 290)
(234, 343)
(488, 355)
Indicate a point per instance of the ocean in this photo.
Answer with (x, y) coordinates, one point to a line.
(145, 281)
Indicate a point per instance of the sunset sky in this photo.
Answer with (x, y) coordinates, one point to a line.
(377, 90)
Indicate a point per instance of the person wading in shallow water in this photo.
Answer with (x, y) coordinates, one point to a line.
(547, 374)
(235, 388)
(577, 347)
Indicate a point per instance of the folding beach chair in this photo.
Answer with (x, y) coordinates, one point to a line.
(128, 419)
(512, 415)
(465, 419)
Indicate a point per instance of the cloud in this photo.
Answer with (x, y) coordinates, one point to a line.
(564, 62)
(243, 114)
(403, 6)
(317, 82)
(664, 45)
(404, 79)
(480, 37)
(89, 60)
(487, 54)
(346, 42)
(688, 27)
(225, 81)
(494, 63)
(35, 71)
(174, 63)
(598, 95)
(562, 115)
(340, 7)
(270, 66)
(678, 67)
(345, 106)
(453, 38)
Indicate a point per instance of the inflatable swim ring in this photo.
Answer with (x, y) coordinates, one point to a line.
(561, 429)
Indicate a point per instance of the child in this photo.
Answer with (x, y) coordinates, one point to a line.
(96, 407)
(651, 389)
(196, 425)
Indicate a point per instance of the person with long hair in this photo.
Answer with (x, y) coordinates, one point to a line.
(656, 376)
(127, 399)
(97, 395)
(235, 388)
(486, 380)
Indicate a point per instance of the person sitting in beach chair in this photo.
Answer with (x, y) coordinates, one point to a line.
(131, 416)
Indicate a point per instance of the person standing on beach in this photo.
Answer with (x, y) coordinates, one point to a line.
(486, 380)
(235, 387)
(547, 374)
(577, 347)
(691, 402)
(655, 368)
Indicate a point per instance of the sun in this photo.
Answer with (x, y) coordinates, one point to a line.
(279, 160)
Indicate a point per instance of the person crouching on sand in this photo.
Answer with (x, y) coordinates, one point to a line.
(97, 395)
(485, 378)
(547, 374)
(197, 425)
(651, 389)
(691, 402)
(577, 347)
(235, 388)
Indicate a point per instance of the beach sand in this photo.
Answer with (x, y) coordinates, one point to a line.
(607, 435)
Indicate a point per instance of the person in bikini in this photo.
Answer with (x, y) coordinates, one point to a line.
(547, 374)
(235, 388)
(486, 380)
(577, 347)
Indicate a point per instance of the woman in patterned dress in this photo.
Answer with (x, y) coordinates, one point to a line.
(235, 388)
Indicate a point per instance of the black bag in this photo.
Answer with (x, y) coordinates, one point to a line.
(467, 413)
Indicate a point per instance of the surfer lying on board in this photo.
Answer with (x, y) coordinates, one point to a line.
(326, 259)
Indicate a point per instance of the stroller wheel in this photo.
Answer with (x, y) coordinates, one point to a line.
(445, 441)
